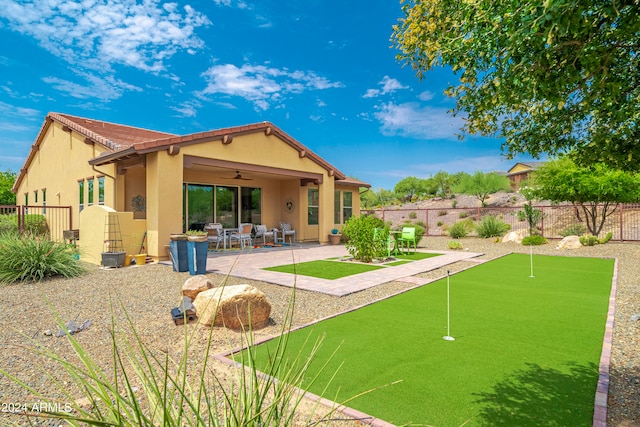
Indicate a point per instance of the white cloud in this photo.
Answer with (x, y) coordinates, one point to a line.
(95, 34)
(411, 120)
(426, 96)
(8, 110)
(103, 88)
(389, 85)
(261, 84)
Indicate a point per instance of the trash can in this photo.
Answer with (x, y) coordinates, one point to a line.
(197, 256)
(179, 257)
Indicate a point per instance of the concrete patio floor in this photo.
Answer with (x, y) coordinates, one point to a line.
(250, 265)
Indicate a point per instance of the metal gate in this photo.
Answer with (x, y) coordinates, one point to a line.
(49, 220)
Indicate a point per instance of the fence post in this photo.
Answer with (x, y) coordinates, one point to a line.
(426, 222)
(621, 206)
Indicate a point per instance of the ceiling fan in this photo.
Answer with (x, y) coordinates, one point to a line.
(238, 176)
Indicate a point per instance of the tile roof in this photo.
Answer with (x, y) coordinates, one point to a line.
(123, 141)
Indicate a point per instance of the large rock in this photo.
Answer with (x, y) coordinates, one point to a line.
(513, 236)
(196, 284)
(570, 242)
(230, 306)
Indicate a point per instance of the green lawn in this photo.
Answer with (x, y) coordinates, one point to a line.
(332, 269)
(526, 350)
(325, 269)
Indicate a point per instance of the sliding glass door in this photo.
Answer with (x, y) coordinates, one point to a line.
(203, 204)
(227, 206)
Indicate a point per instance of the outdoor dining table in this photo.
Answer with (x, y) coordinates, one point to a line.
(227, 232)
(396, 241)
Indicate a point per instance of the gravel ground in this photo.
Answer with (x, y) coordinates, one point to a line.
(148, 292)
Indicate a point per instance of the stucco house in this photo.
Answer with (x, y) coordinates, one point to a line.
(161, 183)
(521, 171)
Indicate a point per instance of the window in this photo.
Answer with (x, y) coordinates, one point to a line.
(35, 196)
(336, 207)
(313, 206)
(101, 190)
(81, 194)
(44, 200)
(347, 205)
(26, 199)
(90, 191)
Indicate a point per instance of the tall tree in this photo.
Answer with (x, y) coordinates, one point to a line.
(548, 76)
(482, 185)
(7, 179)
(596, 190)
(411, 187)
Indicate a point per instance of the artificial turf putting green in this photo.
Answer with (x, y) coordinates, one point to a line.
(526, 351)
(324, 269)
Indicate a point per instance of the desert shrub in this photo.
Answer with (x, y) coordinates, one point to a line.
(574, 230)
(534, 240)
(606, 238)
(459, 230)
(33, 224)
(442, 213)
(8, 224)
(359, 230)
(413, 215)
(522, 216)
(454, 245)
(589, 240)
(31, 258)
(463, 215)
(454, 203)
(439, 223)
(490, 226)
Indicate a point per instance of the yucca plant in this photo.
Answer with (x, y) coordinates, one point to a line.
(32, 258)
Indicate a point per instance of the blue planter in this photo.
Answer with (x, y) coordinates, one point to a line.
(179, 257)
(197, 256)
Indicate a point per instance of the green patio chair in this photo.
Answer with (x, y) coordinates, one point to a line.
(407, 237)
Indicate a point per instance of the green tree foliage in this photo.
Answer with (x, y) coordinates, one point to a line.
(595, 190)
(443, 184)
(361, 242)
(548, 76)
(482, 185)
(7, 179)
(411, 187)
(376, 198)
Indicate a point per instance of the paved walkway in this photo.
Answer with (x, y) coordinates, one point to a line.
(250, 265)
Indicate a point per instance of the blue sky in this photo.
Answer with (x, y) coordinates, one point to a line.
(321, 70)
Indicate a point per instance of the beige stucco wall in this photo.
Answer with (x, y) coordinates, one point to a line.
(95, 226)
(59, 163)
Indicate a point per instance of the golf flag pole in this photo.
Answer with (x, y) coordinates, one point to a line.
(531, 259)
(448, 337)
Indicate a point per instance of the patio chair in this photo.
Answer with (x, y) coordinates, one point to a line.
(379, 236)
(408, 235)
(261, 230)
(216, 235)
(287, 230)
(243, 235)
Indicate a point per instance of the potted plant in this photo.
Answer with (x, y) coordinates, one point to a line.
(197, 248)
(196, 236)
(335, 236)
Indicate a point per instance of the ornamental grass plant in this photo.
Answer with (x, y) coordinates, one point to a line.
(32, 258)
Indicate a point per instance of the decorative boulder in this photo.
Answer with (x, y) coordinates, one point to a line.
(196, 284)
(570, 242)
(231, 306)
(514, 236)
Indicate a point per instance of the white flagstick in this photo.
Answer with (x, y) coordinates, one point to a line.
(531, 258)
(448, 337)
